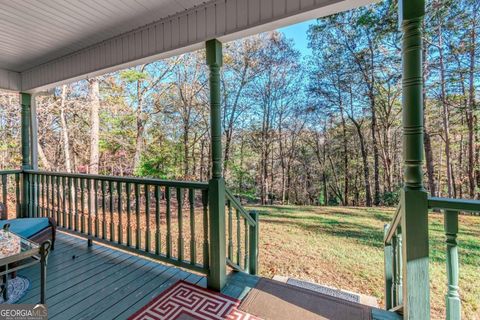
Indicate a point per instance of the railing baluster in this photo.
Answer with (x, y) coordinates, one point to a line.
(193, 244)
(119, 212)
(158, 235)
(47, 191)
(230, 230)
(58, 206)
(400, 266)
(104, 210)
(26, 198)
(89, 205)
(45, 195)
(239, 239)
(253, 235)
(147, 218)
(452, 297)
(82, 205)
(70, 204)
(395, 270)
(169, 223)
(206, 245)
(17, 195)
(39, 196)
(388, 270)
(64, 202)
(110, 209)
(137, 215)
(128, 190)
(5, 193)
(41, 186)
(245, 262)
(50, 197)
(180, 222)
(36, 196)
(31, 197)
(97, 220)
(75, 204)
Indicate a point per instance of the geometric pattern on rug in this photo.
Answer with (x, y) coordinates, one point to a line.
(184, 300)
(17, 288)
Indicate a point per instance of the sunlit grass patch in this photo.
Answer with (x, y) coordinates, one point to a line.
(342, 247)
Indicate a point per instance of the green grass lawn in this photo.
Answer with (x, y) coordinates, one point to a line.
(342, 247)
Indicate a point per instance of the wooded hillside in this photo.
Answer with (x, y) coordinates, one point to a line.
(317, 129)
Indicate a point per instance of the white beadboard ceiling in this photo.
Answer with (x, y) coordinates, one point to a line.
(44, 43)
(33, 32)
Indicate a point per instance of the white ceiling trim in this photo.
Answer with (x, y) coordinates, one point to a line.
(180, 33)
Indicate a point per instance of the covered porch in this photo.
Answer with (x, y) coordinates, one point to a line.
(122, 232)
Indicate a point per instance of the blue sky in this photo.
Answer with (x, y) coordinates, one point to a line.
(298, 32)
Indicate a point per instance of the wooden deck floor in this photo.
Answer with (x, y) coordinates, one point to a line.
(104, 283)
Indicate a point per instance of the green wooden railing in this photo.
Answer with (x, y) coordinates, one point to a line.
(162, 219)
(393, 262)
(393, 254)
(242, 236)
(10, 191)
(156, 218)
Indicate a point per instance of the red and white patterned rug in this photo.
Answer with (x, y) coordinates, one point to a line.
(184, 300)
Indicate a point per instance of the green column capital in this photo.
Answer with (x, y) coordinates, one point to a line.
(408, 9)
(214, 52)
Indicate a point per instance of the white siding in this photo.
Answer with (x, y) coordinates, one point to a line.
(9, 80)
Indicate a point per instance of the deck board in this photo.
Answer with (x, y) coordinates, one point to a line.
(105, 283)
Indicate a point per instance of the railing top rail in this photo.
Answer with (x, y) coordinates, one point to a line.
(158, 182)
(454, 204)
(239, 207)
(397, 218)
(14, 171)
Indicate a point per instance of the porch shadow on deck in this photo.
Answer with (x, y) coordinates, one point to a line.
(104, 283)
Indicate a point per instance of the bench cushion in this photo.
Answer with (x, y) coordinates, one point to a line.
(26, 227)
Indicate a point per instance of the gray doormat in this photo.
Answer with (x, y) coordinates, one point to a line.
(331, 291)
(276, 300)
(325, 290)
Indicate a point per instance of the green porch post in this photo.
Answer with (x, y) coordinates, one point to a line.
(414, 199)
(216, 197)
(26, 101)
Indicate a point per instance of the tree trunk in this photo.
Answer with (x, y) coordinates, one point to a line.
(65, 137)
(345, 156)
(140, 129)
(186, 153)
(43, 158)
(366, 171)
(94, 99)
(373, 127)
(471, 110)
(427, 142)
(445, 115)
